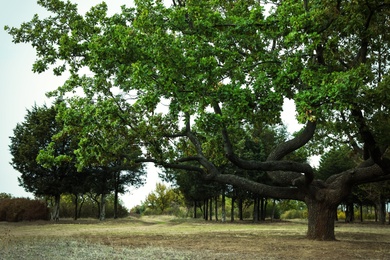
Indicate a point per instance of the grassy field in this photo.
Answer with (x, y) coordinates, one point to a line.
(172, 238)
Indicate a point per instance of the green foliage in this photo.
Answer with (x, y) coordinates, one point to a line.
(294, 214)
(336, 161)
(22, 209)
(55, 174)
(162, 200)
(4, 195)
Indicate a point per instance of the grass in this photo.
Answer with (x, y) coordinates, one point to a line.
(172, 238)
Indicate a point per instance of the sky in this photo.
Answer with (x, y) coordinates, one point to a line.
(20, 89)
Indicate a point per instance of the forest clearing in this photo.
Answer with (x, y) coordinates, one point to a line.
(163, 237)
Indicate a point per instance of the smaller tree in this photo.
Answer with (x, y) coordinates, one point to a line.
(162, 198)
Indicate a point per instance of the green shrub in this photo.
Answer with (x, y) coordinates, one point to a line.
(23, 209)
(293, 214)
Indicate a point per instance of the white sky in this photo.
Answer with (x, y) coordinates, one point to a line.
(20, 89)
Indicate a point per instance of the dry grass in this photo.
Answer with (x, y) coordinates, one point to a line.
(170, 238)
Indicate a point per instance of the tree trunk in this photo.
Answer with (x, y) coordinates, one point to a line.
(381, 209)
(232, 210)
(240, 210)
(211, 209)
(321, 218)
(116, 191)
(256, 208)
(116, 204)
(195, 209)
(349, 214)
(216, 208)
(223, 205)
(76, 204)
(103, 207)
(262, 209)
(81, 205)
(56, 209)
(205, 209)
(273, 210)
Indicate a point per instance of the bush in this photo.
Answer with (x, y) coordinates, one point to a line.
(23, 209)
(340, 215)
(293, 214)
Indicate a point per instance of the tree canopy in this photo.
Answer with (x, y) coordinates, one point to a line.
(188, 80)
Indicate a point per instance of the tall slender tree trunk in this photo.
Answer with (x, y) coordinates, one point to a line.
(56, 208)
(232, 210)
(211, 208)
(195, 209)
(273, 210)
(81, 205)
(240, 209)
(206, 209)
(216, 208)
(223, 206)
(102, 207)
(116, 191)
(76, 204)
(321, 219)
(262, 209)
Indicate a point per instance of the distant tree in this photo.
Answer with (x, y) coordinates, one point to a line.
(4, 195)
(162, 198)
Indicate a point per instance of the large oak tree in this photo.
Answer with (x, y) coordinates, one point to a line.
(221, 66)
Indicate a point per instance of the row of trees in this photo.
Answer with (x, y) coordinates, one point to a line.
(57, 173)
(223, 69)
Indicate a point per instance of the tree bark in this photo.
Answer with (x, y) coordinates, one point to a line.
(232, 210)
(223, 205)
(321, 218)
(195, 209)
(103, 207)
(211, 209)
(381, 209)
(240, 210)
(216, 208)
(76, 204)
(56, 209)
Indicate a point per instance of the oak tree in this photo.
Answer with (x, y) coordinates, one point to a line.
(219, 66)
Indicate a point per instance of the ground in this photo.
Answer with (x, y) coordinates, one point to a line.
(173, 238)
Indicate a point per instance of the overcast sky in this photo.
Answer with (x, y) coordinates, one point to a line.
(21, 89)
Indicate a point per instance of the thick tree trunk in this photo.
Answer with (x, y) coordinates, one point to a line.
(381, 209)
(321, 217)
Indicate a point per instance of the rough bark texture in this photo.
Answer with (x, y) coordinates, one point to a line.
(321, 217)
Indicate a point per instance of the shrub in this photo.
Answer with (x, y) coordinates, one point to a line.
(340, 215)
(294, 213)
(22, 209)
